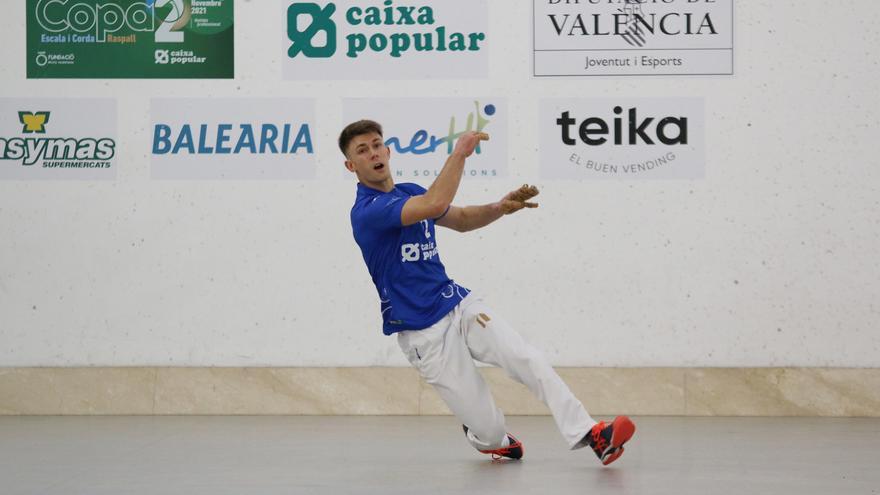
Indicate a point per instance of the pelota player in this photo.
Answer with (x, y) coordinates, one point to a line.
(441, 326)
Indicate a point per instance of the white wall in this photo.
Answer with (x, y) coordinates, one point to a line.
(769, 260)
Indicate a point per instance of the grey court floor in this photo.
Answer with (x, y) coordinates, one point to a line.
(249, 455)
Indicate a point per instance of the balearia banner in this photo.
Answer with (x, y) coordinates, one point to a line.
(232, 138)
(130, 39)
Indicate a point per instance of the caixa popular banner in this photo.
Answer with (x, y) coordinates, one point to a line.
(390, 39)
(128, 38)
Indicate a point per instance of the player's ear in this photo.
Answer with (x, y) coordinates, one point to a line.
(349, 165)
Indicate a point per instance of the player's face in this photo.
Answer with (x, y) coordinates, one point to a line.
(369, 158)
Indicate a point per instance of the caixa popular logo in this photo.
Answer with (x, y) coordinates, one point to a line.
(229, 139)
(111, 21)
(388, 28)
(54, 152)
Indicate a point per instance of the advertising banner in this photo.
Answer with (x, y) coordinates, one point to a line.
(355, 39)
(622, 138)
(633, 37)
(130, 39)
(422, 133)
(58, 139)
(232, 138)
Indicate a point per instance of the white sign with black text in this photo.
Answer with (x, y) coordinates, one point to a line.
(633, 37)
(622, 138)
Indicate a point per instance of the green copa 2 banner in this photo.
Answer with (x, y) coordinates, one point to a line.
(129, 38)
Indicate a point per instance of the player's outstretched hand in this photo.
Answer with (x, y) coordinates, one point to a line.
(468, 142)
(518, 199)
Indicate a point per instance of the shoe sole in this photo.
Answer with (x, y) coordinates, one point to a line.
(516, 444)
(505, 451)
(622, 432)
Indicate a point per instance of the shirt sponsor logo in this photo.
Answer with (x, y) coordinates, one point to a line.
(413, 252)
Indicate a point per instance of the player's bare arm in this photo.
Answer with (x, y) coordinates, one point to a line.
(434, 203)
(465, 219)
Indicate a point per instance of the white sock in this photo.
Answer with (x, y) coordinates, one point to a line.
(479, 445)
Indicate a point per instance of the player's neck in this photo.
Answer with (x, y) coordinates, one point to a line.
(385, 185)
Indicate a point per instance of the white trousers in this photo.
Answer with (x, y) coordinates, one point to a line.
(444, 355)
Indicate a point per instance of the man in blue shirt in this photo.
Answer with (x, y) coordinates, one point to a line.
(440, 326)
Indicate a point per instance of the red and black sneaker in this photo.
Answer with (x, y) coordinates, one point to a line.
(512, 451)
(607, 440)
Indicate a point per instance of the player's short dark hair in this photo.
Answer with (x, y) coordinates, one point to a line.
(355, 129)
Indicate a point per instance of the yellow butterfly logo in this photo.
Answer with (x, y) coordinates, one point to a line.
(34, 122)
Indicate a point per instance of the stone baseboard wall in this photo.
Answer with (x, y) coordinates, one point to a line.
(400, 391)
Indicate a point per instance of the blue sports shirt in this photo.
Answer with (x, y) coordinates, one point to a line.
(414, 290)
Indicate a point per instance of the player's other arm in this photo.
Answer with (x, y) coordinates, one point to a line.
(439, 196)
(474, 217)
